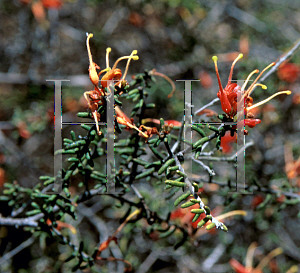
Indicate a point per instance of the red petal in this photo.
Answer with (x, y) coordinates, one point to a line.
(225, 142)
(237, 267)
(174, 122)
(52, 4)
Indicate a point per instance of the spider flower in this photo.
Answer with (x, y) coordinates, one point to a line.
(96, 97)
(111, 74)
(234, 97)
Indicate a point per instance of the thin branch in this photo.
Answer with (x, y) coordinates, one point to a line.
(281, 60)
(213, 257)
(230, 158)
(210, 171)
(16, 250)
(18, 222)
(206, 105)
(33, 220)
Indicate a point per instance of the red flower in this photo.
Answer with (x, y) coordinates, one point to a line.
(257, 199)
(225, 142)
(237, 267)
(248, 268)
(52, 4)
(205, 80)
(234, 97)
(288, 72)
(186, 216)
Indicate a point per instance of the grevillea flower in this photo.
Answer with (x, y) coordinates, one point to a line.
(233, 96)
(96, 97)
(248, 268)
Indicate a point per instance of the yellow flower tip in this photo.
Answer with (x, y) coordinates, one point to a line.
(89, 35)
(108, 50)
(215, 58)
(279, 251)
(293, 269)
(134, 52)
(272, 64)
(288, 92)
(264, 86)
(240, 56)
(135, 58)
(73, 230)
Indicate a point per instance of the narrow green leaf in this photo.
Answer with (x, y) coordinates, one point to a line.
(187, 204)
(145, 174)
(181, 198)
(166, 165)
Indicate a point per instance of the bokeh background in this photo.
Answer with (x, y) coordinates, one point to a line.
(45, 39)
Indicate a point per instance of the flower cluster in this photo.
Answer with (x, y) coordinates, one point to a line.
(97, 96)
(234, 97)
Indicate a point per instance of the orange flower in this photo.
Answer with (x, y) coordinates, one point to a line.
(167, 122)
(292, 167)
(38, 11)
(95, 97)
(105, 244)
(61, 225)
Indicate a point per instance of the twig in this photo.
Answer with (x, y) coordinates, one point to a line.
(149, 261)
(246, 18)
(213, 257)
(91, 215)
(206, 105)
(16, 250)
(18, 222)
(280, 61)
(111, 259)
(230, 158)
(211, 172)
(33, 220)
